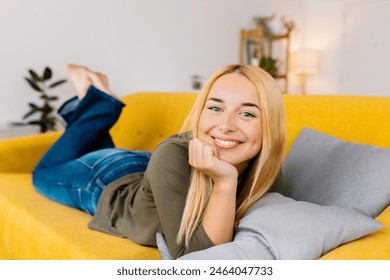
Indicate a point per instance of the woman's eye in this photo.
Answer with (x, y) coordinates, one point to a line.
(214, 108)
(248, 115)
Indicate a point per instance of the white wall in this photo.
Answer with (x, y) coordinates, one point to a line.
(142, 45)
(146, 45)
(365, 57)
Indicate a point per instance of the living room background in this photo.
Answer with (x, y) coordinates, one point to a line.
(158, 45)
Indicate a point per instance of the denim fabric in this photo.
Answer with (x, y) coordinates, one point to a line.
(84, 160)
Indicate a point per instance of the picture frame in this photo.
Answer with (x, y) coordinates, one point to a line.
(251, 46)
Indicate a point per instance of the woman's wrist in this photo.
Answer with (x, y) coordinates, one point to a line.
(225, 187)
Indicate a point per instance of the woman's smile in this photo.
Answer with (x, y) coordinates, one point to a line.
(225, 144)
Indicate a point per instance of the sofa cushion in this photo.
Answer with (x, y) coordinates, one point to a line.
(325, 170)
(33, 227)
(278, 227)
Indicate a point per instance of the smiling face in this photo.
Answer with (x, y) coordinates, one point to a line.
(231, 120)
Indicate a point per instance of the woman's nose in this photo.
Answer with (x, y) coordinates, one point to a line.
(227, 124)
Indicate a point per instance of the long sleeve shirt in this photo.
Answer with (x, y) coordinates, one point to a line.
(139, 205)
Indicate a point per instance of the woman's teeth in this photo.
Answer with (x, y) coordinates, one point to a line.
(226, 143)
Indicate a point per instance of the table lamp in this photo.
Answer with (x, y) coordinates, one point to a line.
(303, 63)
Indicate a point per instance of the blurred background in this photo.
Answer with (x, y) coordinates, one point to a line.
(154, 45)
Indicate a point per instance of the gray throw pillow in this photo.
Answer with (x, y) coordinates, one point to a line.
(328, 171)
(278, 227)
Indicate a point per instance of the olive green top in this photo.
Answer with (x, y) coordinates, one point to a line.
(139, 205)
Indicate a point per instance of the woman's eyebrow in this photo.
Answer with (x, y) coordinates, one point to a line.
(250, 105)
(215, 99)
(245, 104)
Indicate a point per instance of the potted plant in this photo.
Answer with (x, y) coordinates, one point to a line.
(42, 84)
(196, 82)
(269, 64)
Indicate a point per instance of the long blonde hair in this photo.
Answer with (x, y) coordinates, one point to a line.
(263, 169)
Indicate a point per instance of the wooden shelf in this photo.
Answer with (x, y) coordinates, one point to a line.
(254, 44)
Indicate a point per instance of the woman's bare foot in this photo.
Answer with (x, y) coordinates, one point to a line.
(100, 81)
(80, 78)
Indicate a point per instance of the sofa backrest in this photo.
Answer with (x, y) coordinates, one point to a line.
(148, 118)
(361, 119)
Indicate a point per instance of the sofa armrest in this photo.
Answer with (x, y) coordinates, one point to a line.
(21, 154)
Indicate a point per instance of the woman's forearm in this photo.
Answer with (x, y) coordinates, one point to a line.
(218, 221)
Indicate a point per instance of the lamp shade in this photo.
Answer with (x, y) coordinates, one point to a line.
(305, 62)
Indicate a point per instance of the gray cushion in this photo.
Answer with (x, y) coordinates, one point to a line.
(328, 171)
(278, 227)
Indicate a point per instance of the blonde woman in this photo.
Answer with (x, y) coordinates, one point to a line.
(195, 187)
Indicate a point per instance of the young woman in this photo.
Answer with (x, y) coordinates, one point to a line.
(195, 187)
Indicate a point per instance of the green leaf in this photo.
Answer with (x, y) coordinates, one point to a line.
(33, 84)
(34, 106)
(57, 83)
(269, 64)
(53, 98)
(17, 124)
(32, 112)
(35, 122)
(47, 73)
(34, 75)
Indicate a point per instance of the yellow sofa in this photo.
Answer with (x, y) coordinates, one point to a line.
(32, 227)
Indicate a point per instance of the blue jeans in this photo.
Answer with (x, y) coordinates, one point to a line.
(83, 161)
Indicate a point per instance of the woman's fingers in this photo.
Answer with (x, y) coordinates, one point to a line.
(204, 157)
(201, 154)
(209, 154)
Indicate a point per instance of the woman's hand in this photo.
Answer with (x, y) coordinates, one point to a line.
(204, 157)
